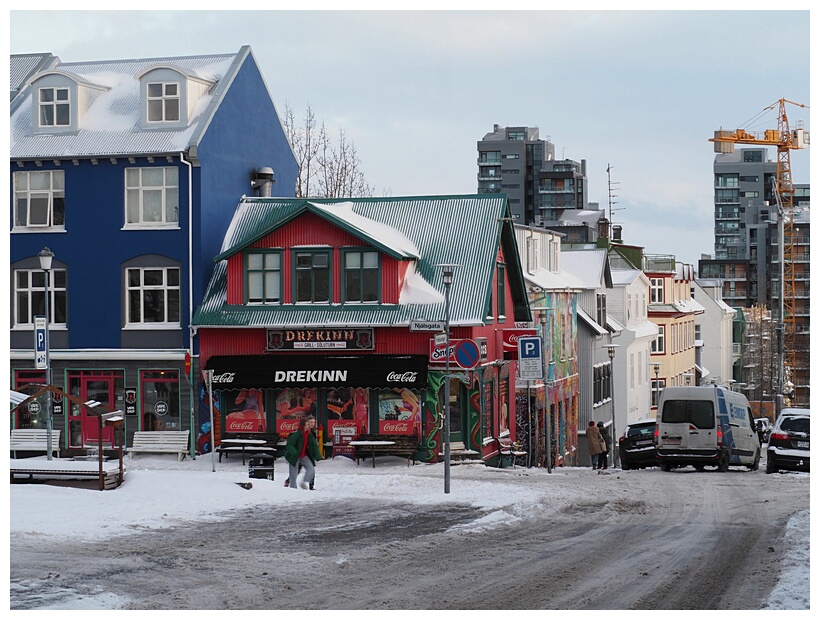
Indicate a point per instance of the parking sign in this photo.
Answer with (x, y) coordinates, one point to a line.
(40, 342)
(530, 360)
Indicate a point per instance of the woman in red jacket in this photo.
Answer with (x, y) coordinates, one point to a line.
(302, 448)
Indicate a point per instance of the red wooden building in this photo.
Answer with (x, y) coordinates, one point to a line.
(330, 307)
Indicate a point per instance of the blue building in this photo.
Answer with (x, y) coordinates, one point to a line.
(129, 172)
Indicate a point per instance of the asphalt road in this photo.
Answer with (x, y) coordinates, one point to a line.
(631, 540)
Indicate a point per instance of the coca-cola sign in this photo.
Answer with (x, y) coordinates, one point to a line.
(398, 427)
(405, 377)
(224, 378)
(318, 371)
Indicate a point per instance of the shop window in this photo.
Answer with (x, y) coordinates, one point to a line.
(160, 400)
(347, 407)
(292, 404)
(399, 411)
(23, 417)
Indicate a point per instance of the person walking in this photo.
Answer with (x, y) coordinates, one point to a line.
(602, 458)
(302, 448)
(594, 442)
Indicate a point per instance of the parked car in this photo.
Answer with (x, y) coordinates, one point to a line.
(789, 442)
(636, 446)
(763, 427)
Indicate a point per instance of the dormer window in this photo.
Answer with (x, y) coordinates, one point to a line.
(55, 107)
(163, 102)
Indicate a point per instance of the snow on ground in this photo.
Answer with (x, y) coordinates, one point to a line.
(160, 492)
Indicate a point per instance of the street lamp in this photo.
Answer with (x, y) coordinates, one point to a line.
(656, 366)
(46, 256)
(209, 379)
(610, 349)
(547, 416)
(447, 277)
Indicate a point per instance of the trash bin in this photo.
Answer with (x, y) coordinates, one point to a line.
(261, 466)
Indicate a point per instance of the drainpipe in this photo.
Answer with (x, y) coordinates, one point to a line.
(191, 331)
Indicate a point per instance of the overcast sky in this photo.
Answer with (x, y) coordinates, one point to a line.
(414, 91)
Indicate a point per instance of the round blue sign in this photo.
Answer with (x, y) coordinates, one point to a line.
(466, 354)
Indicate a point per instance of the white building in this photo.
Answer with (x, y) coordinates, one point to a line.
(713, 332)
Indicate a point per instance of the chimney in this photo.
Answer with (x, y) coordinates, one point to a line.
(616, 233)
(263, 180)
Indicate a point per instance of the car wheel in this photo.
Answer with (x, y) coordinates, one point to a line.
(665, 466)
(771, 466)
(625, 465)
(724, 463)
(756, 463)
(699, 467)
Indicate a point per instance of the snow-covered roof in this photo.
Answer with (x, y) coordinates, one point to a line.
(111, 123)
(550, 280)
(586, 265)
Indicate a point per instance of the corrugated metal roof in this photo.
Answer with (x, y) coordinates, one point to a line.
(461, 230)
(111, 125)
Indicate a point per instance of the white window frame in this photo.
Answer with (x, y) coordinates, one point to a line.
(659, 344)
(164, 288)
(136, 193)
(55, 105)
(271, 290)
(165, 99)
(50, 194)
(30, 290)
(656, 291)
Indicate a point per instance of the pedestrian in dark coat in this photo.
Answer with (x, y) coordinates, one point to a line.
(302, 448)
(595, 443)
(602, 458)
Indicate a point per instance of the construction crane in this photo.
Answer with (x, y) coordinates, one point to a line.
(786, 140)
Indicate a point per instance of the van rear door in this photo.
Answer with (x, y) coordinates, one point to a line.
(688, 424)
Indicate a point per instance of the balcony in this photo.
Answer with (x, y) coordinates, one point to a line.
(659, 262)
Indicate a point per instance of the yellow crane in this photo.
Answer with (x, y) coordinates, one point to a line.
(786, 140)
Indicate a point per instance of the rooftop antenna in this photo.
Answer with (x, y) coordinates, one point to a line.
(612, 194)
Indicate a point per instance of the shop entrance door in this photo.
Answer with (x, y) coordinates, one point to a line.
(83, 426)
(456, 412)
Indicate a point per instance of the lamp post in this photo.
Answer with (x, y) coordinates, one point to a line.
(547, 416)
(656, 366)
(46, 256)
(610, 349)
(209, 377)
(447, 278)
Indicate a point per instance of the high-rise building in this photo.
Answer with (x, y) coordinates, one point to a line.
(509, 161)
(747, 245)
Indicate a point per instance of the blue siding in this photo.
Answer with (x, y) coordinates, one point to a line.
(236, 144)
(243, 135)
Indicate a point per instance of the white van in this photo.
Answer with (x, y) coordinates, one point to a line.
(705, 425)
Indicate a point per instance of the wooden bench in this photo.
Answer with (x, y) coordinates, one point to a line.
(402, 445)
(33, 440)
(160, 442)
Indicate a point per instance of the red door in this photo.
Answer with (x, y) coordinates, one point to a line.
(85, 427)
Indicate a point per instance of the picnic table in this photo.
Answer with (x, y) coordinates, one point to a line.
(374, 445)
(241, 445)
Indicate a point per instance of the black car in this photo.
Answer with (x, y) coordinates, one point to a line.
(636, 446)
(789, 442)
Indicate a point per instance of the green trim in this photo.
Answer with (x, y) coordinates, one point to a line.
(344, 271)
(247, 273)
(295, 270)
